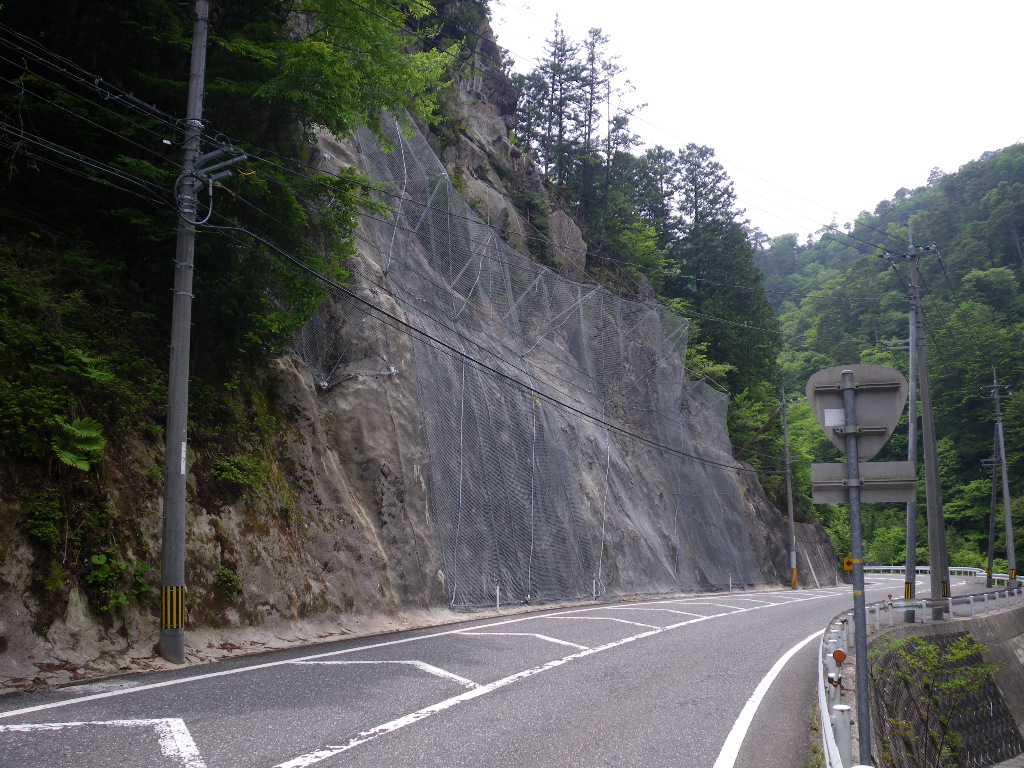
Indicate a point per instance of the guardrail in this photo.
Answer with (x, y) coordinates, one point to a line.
(1000, 579)
(835, 716)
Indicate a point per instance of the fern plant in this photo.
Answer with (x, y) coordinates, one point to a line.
(80, 443)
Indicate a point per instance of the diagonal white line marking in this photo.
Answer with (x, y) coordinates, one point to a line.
(175, 740)
(428, 668)
(532, 634)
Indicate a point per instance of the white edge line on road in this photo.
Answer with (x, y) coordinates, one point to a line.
(733, 742)
(326, 654)
(430, 669)
(175, 740)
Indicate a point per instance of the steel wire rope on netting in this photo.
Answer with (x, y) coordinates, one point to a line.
(672, 350)
(512, 232)
(410, 306)
(407, 328)
(583, 252)
(657, 425)
(399, 212)
(507, 263)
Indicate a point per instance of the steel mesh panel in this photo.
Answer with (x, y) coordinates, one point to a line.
(568, 454)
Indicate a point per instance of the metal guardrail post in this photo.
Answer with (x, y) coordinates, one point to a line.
(844, 734)
(826, 695)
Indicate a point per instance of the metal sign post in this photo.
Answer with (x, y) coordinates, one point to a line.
(857, 541)
(859, 406)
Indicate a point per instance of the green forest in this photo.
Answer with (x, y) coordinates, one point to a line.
(90, 135)
(767, 313)
(837, 300)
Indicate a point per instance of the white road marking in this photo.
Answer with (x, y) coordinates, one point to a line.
(531, 634)
(568, 614)
(663, 610)
(603, 618)
(175, 741)
(428, 668)
(733, 742)
(302, 761)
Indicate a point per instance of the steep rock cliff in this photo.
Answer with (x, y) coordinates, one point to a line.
(425, 457)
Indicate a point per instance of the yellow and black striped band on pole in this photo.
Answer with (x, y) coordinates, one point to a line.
(172, 607)
(945, 589)
(1013, 574)
(906, 591)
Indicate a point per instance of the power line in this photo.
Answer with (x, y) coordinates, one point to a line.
(89, 162)
(402, 326)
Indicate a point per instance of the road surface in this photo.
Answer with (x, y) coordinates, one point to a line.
(724, 680)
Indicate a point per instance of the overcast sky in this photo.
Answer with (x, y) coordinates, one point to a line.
(818, 109)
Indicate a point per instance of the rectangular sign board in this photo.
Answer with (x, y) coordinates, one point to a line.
(881, 481)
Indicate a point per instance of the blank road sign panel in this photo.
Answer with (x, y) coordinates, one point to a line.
(881, 481)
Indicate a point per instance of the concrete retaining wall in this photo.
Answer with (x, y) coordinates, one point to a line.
(986, 722)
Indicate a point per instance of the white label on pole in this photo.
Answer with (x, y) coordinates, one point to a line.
(183, 445)
(835, 417)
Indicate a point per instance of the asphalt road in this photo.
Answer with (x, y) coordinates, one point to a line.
(653, 683)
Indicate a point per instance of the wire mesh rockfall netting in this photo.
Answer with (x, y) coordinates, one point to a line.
(568, 453)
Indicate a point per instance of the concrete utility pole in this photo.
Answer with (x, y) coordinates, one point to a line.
(997, 394)
(937, 554)
(910, 569)
(172, 578)
(991, 463)
(794, 580)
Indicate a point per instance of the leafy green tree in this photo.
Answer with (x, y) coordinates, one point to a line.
(922, 684)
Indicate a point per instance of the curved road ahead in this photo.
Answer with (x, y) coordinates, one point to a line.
(655, 683)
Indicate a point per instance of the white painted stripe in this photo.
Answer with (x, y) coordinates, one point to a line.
(663, 610)
(428, 668)
(531, 634)
(175, 741)
(733, 742)
(606, 618)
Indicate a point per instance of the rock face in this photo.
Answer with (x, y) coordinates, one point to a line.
(462, 424)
